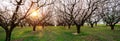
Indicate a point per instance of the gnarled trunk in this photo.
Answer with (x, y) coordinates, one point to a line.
(34, 28)
(9, 32)
(69, 26)
(78, 28)
(92, 25)
(112, 27)
(8, 35)
(82, 24)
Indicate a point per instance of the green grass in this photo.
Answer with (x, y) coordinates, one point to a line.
(51, 33)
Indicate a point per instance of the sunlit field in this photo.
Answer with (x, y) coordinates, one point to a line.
(60, 33)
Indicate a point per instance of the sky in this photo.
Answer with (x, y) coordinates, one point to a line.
(7, 4)
(11, 7)
(23, 8)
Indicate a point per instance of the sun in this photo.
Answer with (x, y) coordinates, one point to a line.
(34, 14)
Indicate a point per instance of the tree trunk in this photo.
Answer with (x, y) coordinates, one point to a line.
(112, 27)
(9, 32)
(92, 25)
(82, 24)
(78, 28)
(8, 35)
(69, 26)
(21, 26)
(34, 28)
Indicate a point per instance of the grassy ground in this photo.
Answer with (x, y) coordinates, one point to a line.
(50, 33)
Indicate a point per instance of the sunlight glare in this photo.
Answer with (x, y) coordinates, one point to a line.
(34, 14)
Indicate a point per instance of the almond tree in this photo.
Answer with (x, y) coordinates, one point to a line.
(94, 19)
(9, 21)
(79, 11)
(111, 12)
(8, 24)
(83, 14)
